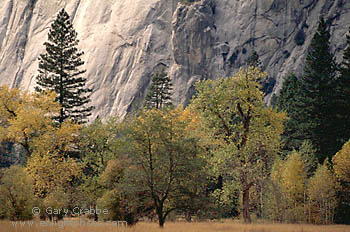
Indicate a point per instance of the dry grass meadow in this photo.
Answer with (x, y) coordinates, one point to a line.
(228, 226)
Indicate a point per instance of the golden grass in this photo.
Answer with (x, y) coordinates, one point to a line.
(228, 226)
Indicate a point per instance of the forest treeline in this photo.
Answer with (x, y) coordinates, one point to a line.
(226, 154)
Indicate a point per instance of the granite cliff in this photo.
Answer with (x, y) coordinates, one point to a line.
(126, 41)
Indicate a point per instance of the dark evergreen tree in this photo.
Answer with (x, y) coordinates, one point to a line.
(293, 135)
(343, 97)
(315, 116)
(59, 71)
(254, 60)
(343, 105)
(159, 93)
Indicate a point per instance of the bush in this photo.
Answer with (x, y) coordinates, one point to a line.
(16, 194)
(286, 54)
(300, 37)
(57, 199)
(111, 202)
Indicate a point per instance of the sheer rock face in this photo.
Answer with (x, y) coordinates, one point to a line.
(126, 41)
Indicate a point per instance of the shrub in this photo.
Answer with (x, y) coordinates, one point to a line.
(16, 194)
(300, 37)
(111, 202)
(286, 54)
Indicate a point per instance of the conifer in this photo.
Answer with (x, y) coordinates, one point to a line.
(60, 71)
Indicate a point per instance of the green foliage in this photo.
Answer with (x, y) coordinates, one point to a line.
(286, 101)
(227, 200)
(308, 155)
(55, 199)
(243, 134)
(110, 201)
(159, 93)
(59, 71)
(16, 194)
(163, 161)
(343, 97)
(121, 205)
(267, 84)
(274, 198)
(109, 196)
(317, 95)
(97, 143)
(310, 101)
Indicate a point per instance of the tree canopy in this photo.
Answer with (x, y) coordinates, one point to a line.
(244, 134)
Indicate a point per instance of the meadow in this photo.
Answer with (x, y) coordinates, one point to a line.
(227, 226)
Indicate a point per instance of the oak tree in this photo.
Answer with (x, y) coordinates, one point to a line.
(245, 135)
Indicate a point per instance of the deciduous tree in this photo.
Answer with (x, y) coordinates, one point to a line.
(162, 160)
(294, 187)
(49, 165)
(16, 194)
(322, 196)
(245, 135)
(341, 166)
(25, 117)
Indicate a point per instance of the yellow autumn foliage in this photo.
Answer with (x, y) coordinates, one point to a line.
(322, 196)
(26, 119)
(288, 189)
(25, 116)
(51, 171)
(294, 178)
(341, 162)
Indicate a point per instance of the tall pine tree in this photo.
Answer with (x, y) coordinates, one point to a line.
(59, 71)
(159, 93)
(343, 125)
(316, 116)
(293, 135)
